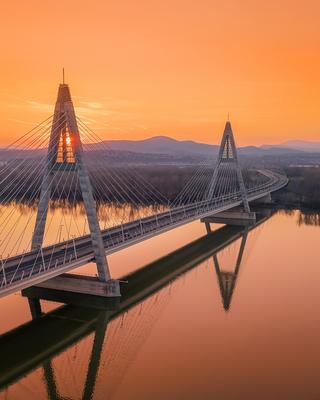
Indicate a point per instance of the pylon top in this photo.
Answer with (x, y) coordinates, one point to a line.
(63, 93)
(228, 128)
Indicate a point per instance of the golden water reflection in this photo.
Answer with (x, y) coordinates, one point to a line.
(250, 318)
(64, 221)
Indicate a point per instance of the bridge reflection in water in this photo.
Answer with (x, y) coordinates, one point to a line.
(103, 339)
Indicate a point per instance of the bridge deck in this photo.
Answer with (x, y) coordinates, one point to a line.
(39, 265)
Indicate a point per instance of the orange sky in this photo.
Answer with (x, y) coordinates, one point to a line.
(172, 67)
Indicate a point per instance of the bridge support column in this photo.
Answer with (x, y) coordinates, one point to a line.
(35, 307)
(208, 226)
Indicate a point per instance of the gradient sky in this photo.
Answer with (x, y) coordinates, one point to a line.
(173, 67)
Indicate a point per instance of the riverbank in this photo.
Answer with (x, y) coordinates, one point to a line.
(302, 191)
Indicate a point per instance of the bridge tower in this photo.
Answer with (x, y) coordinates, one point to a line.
(65, 153)
(228, 157)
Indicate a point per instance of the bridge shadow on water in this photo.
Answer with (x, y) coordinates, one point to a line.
(36, 344)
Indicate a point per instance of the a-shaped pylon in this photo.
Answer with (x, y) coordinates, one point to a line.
(228, 157)
(65, 153)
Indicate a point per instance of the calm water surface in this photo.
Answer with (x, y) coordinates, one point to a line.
(214, 332)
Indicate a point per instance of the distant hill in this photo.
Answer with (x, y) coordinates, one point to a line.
(167, 145)
(303, 145)
(163, 149)
(163, 145)
(295, 145)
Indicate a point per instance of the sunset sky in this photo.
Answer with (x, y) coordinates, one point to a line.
(174, 67)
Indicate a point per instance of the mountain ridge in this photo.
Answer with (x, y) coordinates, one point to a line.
(167, 145)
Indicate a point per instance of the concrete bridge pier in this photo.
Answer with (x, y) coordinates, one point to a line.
(89, 285)
(83, 291)
(235, 218)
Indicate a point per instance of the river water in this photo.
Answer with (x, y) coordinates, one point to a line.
(238, 324)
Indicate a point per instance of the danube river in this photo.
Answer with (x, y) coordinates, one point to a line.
(238, 323)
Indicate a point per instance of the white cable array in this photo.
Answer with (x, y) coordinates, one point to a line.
(144, 186)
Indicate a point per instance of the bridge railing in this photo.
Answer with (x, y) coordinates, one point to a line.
(64, 253)
(182, 212)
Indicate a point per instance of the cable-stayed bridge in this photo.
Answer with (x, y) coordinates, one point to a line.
(63, 160)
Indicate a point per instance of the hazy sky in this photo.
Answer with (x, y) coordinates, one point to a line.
(177, 68)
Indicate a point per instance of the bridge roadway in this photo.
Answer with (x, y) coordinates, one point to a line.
(36, 266)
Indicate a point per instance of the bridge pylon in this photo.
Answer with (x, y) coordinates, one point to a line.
(228, 157)
(65, 153)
